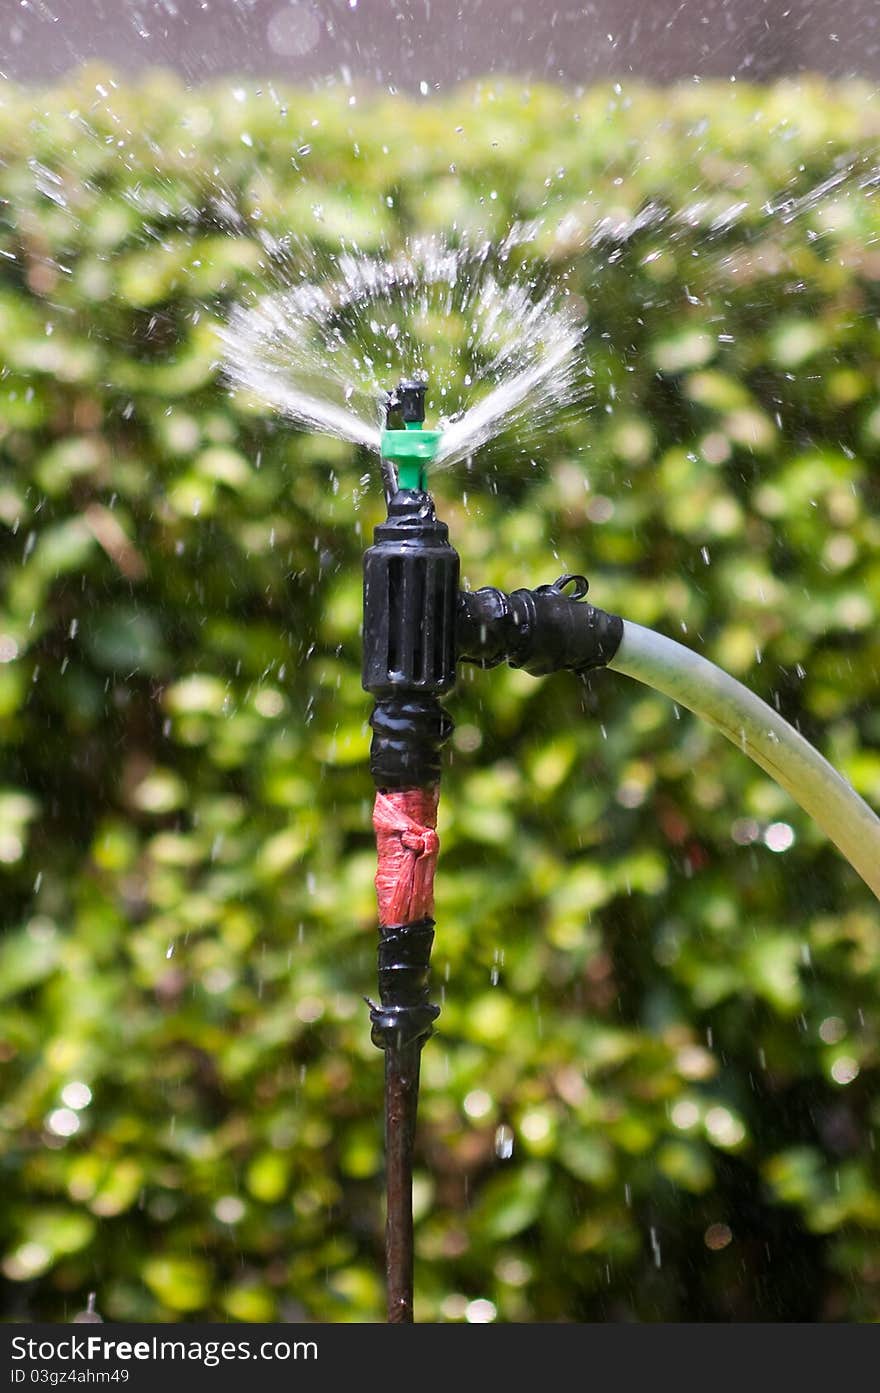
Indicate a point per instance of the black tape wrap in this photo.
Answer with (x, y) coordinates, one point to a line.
(405, 1014)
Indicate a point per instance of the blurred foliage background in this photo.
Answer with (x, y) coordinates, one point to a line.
(652, 1094)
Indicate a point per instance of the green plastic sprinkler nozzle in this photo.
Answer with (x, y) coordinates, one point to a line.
(412, 448)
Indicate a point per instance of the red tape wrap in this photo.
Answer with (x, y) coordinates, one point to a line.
(407, 845)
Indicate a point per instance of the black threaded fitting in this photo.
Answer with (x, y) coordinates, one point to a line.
(405, 1013)
(408, 737)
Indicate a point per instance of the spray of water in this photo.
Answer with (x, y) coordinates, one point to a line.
(496, 342)
(499, 342)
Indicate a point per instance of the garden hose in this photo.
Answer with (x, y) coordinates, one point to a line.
(546, 629)
(762, 734)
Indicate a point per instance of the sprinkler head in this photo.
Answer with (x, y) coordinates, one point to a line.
(414, 447)
(411, 400)
(406, 402)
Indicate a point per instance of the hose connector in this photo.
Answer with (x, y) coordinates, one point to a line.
(544, 630)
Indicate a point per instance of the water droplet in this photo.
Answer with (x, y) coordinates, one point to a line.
(504, 1139)
(90, 1316)
(655, 1248)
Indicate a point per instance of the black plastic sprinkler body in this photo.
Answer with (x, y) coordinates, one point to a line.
(417, 627)
(410, 600)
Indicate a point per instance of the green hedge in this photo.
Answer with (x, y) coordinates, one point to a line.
(674, 1027)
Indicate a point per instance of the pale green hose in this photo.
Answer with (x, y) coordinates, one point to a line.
(762, 734)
